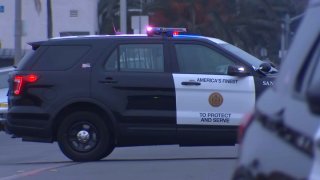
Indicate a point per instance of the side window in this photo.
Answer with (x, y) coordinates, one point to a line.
(309, 73)
(193, 58)
(112, 63)
(60, 57)
(315, 74)
(137, 58)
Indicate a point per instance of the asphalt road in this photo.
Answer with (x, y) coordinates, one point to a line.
(27, 160)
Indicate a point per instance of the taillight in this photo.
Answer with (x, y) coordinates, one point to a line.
(175, 33)
(31, 78)
(247, 119)
(21, 80)
(17, 85)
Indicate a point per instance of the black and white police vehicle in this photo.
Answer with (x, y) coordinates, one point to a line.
(94, 93)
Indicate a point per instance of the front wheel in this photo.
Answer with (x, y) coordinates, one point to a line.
(84, 136)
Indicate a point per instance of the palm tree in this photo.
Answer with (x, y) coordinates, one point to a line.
(38, 8)
(107, 10)
(108, 14)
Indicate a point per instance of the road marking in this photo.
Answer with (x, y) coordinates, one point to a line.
(36, 171)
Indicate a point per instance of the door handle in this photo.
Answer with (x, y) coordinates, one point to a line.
(108, 80)
(190, 83)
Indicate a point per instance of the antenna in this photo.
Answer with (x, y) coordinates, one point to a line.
(114, 28)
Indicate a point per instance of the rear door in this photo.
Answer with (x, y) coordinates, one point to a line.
(210, 103)
(134, 81)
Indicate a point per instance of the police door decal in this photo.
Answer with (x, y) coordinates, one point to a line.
(213, 99)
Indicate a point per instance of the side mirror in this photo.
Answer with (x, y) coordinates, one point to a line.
(265, 67)
(234, 70)
(313, 98)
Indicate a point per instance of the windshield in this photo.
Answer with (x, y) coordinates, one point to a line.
(255, 62)
(241, 53)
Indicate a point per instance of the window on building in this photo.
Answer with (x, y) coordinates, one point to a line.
(74, 13)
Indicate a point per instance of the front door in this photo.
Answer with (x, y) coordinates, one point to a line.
(210, 104)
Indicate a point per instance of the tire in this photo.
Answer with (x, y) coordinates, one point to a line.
(242, 173)
(84, 136)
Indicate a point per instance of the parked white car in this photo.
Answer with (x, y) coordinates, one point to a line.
(3, 92)
(281, 139)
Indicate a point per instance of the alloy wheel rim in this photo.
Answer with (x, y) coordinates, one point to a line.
(83, 136)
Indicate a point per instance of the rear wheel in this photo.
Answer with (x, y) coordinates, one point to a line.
(84, 136)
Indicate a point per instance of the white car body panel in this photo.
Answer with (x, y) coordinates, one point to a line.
(229, 87)
(264, 147)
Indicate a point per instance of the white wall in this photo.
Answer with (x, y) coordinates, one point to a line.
(87, 16)
(7, 24)
(35, 23)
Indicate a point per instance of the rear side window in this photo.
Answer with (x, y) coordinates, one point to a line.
(60, 57)
(136, 58)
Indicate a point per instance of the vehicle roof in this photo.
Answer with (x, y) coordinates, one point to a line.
(123, 36)
(94, 38)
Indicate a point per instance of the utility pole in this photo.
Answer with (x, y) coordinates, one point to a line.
(140, 17)
(49, 16)
(18, 32)
(123, 16)
(286, 33)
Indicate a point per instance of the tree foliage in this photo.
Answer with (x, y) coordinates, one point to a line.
(250, 24)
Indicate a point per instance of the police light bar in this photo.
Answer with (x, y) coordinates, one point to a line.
(152, 31)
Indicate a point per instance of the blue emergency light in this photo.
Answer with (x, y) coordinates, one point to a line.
(169, 32)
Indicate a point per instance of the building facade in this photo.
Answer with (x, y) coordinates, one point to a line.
(72, 17)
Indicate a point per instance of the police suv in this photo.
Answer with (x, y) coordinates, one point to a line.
(94, 93)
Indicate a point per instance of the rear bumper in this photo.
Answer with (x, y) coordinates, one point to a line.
(31, 125)
(2, 127)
